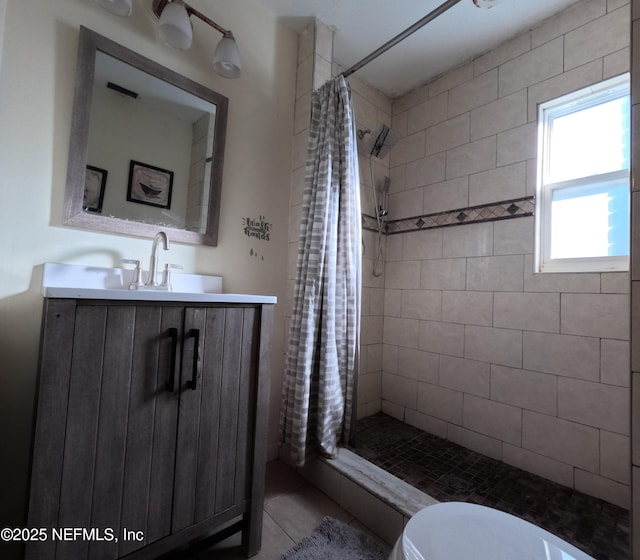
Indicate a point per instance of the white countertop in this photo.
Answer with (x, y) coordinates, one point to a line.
(83, 282)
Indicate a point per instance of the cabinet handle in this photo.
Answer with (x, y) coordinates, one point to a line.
(173, 333)
(196, 350)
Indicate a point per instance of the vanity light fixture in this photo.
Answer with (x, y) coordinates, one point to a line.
(176, 30)
(117, 7)
(486, 3)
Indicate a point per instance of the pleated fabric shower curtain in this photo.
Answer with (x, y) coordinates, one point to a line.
(324, 337)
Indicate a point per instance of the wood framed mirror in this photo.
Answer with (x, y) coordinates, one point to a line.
(129, 113)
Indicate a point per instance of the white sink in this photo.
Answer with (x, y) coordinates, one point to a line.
(90, 282)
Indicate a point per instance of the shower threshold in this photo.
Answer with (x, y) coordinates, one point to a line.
(445, 471)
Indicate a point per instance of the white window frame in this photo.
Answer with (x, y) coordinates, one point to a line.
(567, 104)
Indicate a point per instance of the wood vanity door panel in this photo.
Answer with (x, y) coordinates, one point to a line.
(112, 426)
(82, 427)
(147, 486)
(51, 416)
(188, 420)
(215, 421)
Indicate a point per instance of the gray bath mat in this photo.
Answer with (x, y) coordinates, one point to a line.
(335, 540)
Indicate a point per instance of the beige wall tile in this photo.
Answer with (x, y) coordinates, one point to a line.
(531, 67)
(617, 63)
(494, 419)
(496, 185)
(409, 100)
(518, 144)
(392, 303)
(480, 443)
(422, 304)
(440, 402)
(467, 376)
(560, 439)
(503, 114)
(524, 388)
(400, 390)
(409, 148)
(594, 404)
(537, 464)
(419, 365)
(565, 282)
(603, 488)
(468, 240)
(393, 245)
(304, 76)
(405, 204)
(369, 387)
(471, 94)
(471, 158)
(425, 171)
(446, 195)
(497, 346)
(499, 274)
(420, 245)
(302, 115)
(513, 237)
(306, 38)
(615, 457)
(503, 53)
(598, 38)
(392, 409)
(615, 283)
(448, 134)
(569, 356)
(614, 362)
(426, 423)
(527, 311)
(467, 308)
(402, 275)
(324, 40)
(382, 519)
(443, 274)
(603, 315)
(443, 338)
(562, 23)
(371, 330)
(401, 332)
(451, 79)
(562, 84)
(390, 358)
(374, 358)
(427, 113)
(322, 71)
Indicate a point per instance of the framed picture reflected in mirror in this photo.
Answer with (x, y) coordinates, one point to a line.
(94, 185)
(149, 185)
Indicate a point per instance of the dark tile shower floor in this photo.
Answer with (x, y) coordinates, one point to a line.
(449, 472)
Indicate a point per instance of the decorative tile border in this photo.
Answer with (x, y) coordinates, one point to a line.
(505, 210)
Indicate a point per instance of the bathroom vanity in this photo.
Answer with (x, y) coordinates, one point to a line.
(151, 421)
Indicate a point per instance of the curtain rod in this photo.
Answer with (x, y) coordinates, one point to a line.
(401, 36)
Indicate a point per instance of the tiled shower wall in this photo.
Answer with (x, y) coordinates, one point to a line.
(459, 337)
(531, 369)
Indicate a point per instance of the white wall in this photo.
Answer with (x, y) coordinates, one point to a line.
(37, 67)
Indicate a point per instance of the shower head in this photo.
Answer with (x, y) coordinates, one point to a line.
(381, 141)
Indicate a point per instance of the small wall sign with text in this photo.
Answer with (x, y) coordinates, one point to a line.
(260, 228)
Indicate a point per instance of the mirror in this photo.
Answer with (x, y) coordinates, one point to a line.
(146, 148)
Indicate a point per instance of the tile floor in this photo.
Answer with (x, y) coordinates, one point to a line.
(293, 508)
(448, 472)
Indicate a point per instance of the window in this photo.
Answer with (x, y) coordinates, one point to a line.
(582, 202)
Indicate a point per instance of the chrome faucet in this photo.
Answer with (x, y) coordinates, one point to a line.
(152, 277)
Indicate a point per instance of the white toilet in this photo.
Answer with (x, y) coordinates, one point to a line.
(463, 531)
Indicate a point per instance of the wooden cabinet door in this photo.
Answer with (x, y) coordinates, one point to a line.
(216, 414)
(118, 438)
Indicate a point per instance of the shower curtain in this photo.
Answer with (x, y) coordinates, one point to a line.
(324, 337)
